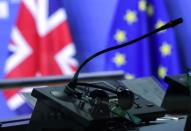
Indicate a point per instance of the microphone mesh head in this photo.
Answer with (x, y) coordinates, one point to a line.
(176, 22)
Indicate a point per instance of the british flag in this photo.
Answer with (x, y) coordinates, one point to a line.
(40, 44)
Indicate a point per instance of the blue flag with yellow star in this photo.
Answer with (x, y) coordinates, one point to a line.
(156, 55)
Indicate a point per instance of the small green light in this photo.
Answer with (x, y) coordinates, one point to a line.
(124, 113)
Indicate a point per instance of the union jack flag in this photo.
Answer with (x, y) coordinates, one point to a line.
(40, 44)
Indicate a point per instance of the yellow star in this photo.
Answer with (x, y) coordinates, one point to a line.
(150, 10)
(162, 71)
(120, 36)
(142, 5)
(119, 59)
(165, 49)
(159, 24)
(130, 17)
(129, 76)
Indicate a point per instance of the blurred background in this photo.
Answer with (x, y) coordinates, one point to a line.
(52, 37)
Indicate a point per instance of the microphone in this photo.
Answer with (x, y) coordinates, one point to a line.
(71, 86)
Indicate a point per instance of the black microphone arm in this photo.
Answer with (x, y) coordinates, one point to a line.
(71, 86)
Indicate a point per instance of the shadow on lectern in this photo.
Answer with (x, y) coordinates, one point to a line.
(177, 98)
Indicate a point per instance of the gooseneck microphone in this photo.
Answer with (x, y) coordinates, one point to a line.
(71, 86)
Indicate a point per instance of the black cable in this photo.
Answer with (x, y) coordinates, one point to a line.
(97, 86)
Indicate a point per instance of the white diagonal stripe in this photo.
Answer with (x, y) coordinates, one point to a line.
(21, 51)
(56, 19)
(15, 101)
(64, 59)
(46, 24)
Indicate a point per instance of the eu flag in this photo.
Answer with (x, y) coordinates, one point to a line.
(156, 55)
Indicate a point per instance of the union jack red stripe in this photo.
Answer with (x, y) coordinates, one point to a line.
(40, 44)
